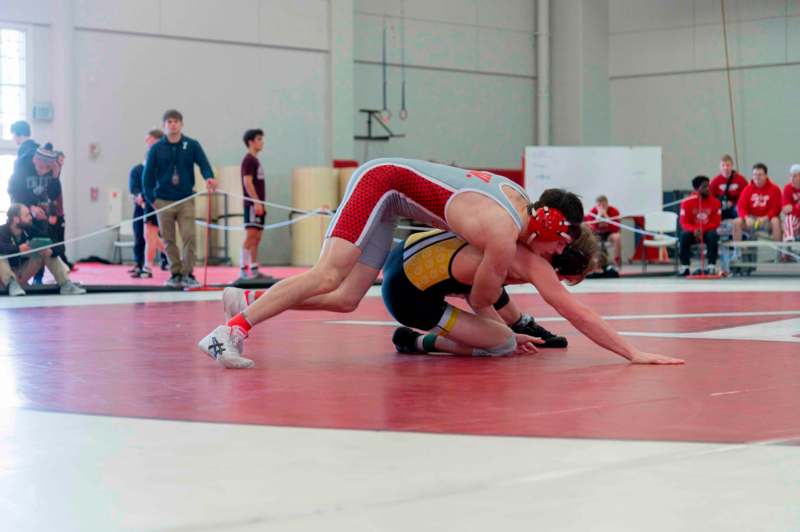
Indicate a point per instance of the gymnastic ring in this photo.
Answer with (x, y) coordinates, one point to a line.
(386, 115)
(403, 114)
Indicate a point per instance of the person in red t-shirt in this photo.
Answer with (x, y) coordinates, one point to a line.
(603, 230)
(255, 213)
(727, 186)
(759, 205)
(701, 215)
(791, 206)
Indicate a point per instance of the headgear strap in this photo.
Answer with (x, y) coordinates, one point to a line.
(548, 225)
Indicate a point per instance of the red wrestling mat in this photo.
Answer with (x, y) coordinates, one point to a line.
(140, 360)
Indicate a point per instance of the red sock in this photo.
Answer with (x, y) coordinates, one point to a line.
(240, 321)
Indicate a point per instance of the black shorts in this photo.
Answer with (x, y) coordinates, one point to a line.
(408, 304)
(150, 218)
(251, 219)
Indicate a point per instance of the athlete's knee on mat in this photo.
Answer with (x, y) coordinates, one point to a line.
(343, 302)
(505, 348)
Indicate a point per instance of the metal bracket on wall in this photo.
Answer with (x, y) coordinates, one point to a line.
(376, 115)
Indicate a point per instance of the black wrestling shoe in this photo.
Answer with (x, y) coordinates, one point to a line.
(531, 328)
(405, 341)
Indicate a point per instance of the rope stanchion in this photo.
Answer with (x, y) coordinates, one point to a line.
(209, 199)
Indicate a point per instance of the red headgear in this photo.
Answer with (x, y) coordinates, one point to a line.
(548, 225)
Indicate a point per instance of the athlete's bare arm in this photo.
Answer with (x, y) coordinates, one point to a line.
(487, 226)
(541, 274)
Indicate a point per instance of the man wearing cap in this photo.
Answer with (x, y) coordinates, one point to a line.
(700, 217)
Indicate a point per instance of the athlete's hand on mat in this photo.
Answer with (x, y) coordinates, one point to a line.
(260, 210)
(211, 184)
(24, 247)
(526, 344)
(640, 357)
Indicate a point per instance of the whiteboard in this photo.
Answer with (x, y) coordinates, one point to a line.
(629, 175)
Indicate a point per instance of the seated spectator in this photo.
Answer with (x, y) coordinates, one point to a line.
(701, 215)
(759, 206)
(791, 206)
(16, 236)
(727, 186)
(604, 231)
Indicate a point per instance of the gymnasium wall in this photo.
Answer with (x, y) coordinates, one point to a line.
(226, 65)
(668, 86)
(470, 79)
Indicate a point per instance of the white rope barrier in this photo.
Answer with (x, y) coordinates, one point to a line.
(304, 214)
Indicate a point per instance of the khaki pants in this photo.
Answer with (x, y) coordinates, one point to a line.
(28, 269)
(180, 263)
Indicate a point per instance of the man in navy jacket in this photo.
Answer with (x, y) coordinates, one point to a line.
(168, 178)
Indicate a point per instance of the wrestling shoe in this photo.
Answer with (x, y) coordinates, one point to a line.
(175, 281)
(71, 289)
(527, 325)
(224, 344)
(189, 281)
(405, 341)
(14, 289)
(233, 301)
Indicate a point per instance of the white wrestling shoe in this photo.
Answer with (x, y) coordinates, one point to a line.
(224, 344)
(233, 301)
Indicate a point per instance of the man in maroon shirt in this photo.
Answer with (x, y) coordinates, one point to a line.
(727, 186)
(700, 218)
(255, 213)
(759, 205)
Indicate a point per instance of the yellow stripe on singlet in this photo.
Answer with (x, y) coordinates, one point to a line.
(427, 257)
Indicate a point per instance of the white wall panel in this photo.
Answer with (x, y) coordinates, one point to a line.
(126, 82)
(141, 16)
(505, 51)
(470, 119)
(367, 37)
(441, 45)
(641, 15)
(451, 11)
(793, 39)
(709, 12)
(300, 23)
(27, 11)
(379, 7)
(232, 20)
(651, 52)
(749, 43)
(510, 14)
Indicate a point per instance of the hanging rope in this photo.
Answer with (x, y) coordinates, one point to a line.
(730, 87)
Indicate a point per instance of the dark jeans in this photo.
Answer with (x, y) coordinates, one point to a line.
(138, 237)
(55, 232)
(710, 239)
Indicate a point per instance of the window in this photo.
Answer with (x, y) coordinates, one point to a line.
(13, 83)
(6, 168)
